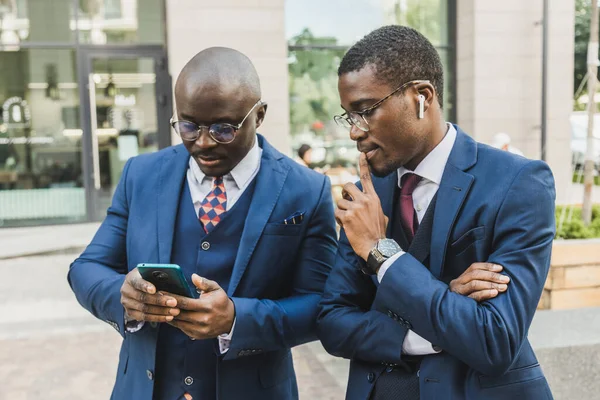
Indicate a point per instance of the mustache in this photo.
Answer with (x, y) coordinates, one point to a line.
(366, 149)
(206, 155)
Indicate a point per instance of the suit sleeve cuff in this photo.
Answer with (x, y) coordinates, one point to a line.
(131, 325)
(384, 267)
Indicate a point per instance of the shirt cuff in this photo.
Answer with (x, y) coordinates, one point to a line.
(415, 345)
(225, 339)
(131, 325)
(384, 267)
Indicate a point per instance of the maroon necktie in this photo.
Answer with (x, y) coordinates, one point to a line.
(409, 219)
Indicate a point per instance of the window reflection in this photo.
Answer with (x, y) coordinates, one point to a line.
(120, 21)
(318, 41)
(349, 20)
(36, 21)
(94, 21)
(40, 157)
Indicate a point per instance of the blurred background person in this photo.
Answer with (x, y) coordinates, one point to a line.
(305, 155)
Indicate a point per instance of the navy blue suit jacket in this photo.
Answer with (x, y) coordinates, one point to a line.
(276, 283)
(491, 206)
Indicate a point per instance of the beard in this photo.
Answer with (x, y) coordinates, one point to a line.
(383, 168)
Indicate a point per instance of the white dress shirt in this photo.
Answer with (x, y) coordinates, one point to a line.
(431, 170)
(236, 182)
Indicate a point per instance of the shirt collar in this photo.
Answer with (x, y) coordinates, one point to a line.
(433, 165)
(241, 173)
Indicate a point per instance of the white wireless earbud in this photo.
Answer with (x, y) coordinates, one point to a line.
(421, 106)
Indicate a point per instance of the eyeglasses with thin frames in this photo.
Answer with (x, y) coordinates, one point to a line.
(357, 118)
(220, 132)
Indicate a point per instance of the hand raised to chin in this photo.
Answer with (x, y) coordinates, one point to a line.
(360, 213)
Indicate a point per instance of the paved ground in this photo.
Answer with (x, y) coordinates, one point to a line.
(18, 242)
(52, 349)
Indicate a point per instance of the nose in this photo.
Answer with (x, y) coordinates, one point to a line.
(205, 141)
(357, 134)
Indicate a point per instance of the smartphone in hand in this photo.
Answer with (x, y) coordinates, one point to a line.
(166, 278)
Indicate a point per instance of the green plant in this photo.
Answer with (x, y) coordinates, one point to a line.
(578, 178)
(574, 228)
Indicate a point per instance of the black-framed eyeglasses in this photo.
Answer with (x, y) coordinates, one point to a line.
(220, 132)
(357, 118)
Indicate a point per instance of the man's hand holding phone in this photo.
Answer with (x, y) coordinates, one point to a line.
(142, 302)
(207, 317)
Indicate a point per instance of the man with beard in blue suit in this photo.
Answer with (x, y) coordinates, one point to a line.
(390, 303)
(253, 231)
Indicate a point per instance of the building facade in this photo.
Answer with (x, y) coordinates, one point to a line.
(86, 84)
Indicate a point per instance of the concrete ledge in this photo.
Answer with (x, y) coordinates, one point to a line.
(574, 276)
(575, 251)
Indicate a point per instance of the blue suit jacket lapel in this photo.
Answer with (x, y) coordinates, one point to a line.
(385, 187)
(269, 184)
(454, 188)
(171, 174)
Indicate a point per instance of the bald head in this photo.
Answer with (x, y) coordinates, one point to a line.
(219, 68)
(219, 88)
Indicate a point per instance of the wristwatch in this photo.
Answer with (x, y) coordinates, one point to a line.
(384, 249)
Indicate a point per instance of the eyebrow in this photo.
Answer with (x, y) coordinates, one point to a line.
(361, 104)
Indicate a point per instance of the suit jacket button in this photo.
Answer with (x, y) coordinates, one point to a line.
(188, 380)
(436, 348)
(205, 246)
(370, 377)
(154, 324)
(150, 374)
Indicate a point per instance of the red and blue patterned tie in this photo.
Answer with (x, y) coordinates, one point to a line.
(213, 205)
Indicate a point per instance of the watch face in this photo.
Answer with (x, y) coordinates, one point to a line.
(388, 247)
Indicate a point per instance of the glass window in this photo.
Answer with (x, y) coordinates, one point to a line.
(121, 22)
(95, 21)
(346, 21)
(317, 42)
(40, 138)
(48, 21)
(124, 119)
(314, 97)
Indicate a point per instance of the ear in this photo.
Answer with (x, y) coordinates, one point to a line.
(260, 114)
(429, 96)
